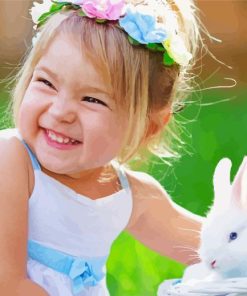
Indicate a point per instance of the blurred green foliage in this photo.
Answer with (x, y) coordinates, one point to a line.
(5, 120)
(213, 131)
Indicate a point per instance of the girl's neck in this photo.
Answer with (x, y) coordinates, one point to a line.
(90, 182)
(84, 176)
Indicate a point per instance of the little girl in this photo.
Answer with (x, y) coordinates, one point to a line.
(99, 85)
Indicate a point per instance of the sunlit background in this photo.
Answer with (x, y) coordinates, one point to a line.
(215, 128)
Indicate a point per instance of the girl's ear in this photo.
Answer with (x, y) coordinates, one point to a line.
(222, 183)
(239, 186)
(157, 121)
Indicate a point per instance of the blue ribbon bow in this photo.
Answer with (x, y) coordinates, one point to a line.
(82, 275)
(82, 272)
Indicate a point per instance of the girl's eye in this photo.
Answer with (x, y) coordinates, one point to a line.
(46, 82)
(94, 100)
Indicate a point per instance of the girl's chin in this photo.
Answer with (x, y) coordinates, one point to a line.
(60, 169)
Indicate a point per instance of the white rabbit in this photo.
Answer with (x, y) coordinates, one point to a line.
(223, 248)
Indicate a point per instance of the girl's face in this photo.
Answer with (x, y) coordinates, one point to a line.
(67, 100)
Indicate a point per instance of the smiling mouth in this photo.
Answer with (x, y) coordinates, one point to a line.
(60, 139)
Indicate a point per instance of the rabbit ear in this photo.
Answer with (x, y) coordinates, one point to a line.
(239, 186)
(221, 180)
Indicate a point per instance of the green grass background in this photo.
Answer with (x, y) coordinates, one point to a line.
(212, 132)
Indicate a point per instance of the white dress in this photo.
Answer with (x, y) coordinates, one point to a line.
(70, 235)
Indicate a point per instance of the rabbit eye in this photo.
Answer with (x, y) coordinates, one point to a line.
(233, 236)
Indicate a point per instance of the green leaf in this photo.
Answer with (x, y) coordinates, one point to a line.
(58, 6)
(66, 3)
(155, 47)
(160, 47)
(167, 60)
(151, 46)
(133, 41)
(54, 8)
(58, 3)
(101, 21)
(43, 18)
(81, 13)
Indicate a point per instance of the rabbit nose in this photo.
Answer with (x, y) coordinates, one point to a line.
(213, 264)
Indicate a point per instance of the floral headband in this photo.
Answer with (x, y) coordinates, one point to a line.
(150, 23)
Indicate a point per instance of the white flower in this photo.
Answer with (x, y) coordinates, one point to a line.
(35, 38)
(39, 8)
(177, 50)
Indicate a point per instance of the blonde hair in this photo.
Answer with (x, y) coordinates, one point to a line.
(142, 86)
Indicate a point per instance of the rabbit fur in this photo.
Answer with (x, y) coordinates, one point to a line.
(223, 248)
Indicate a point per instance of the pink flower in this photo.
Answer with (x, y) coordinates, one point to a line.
(102, 9)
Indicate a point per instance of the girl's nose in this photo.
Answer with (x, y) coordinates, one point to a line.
(62, 110)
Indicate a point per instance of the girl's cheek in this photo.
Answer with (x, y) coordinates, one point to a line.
(29, 89)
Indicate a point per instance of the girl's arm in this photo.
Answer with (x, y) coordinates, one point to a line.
(14, 195)
(23, 287)
(160, 224)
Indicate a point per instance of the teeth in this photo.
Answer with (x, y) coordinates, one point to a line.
(52, 135)
(59, 139)
(66, 140)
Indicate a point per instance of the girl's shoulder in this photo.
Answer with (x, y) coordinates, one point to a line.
(10, 140)
(141, 182)
(14, 154)
(9, 133)
(146, 191)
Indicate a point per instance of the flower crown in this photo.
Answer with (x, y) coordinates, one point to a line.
(149, 23)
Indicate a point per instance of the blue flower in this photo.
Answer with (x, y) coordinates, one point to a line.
(142, 26)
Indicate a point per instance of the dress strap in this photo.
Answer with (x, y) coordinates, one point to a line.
(121, 175)
(35, 163)
(83, 272)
